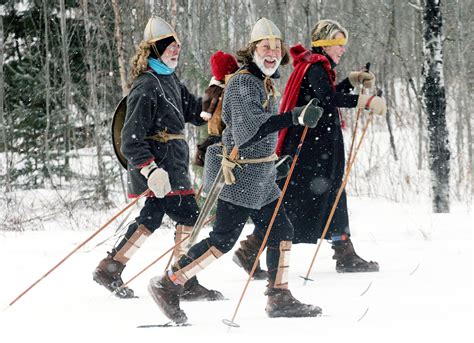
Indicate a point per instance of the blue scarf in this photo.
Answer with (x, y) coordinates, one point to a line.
(159, 67)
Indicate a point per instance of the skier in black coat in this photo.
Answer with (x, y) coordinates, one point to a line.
(320, 167)
(153, 142)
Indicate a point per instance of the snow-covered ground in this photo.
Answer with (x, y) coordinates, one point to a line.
(423, 292)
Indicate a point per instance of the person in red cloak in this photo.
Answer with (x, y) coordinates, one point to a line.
(320, 167)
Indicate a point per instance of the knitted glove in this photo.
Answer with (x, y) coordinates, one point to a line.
(158, 180)
(372, 102)
(307, 115)
(365, 77)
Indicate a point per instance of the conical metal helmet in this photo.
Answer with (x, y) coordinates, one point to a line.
(265, 29)
(158, 29)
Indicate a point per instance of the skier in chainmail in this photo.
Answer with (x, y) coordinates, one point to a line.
(250, 191)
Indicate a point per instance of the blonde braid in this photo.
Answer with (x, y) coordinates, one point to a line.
(139, 61)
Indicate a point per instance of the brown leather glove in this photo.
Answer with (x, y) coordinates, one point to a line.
(365, 77)
(372, 102)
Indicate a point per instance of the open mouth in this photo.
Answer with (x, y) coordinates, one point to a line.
(269, 63)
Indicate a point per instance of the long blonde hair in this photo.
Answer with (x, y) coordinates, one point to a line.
(139, 61)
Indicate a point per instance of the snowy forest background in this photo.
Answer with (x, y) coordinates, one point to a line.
(65, 66)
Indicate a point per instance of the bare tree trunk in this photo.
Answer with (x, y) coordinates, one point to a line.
(390, 93)
(120, 51)
(463, 102)
(67, 87)
(174, 12)
(48, 90)
(421, 138)
(281, 17)
(102, 191)
(2, 114)
(251, 12)
(435, 104)
(307, 16)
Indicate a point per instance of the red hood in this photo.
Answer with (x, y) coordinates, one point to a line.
(299, 53)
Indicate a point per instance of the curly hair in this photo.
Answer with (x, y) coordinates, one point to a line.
(327, 29)
(139, 61)
(245, 55)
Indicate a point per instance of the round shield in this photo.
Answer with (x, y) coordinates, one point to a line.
(117, 125)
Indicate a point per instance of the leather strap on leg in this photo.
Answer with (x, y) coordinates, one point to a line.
(187, 272)
(133, 244)
(281, 280)
(182, 231)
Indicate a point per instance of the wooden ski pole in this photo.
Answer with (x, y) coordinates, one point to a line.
(231, 322)
(359, 111)
(338, 197)
(78, 247)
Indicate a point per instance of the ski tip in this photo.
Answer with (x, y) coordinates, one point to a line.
(230, 323)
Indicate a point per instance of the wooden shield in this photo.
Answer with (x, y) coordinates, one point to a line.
(117, 125)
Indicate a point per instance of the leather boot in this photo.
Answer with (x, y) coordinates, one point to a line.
(347, 261)
(166, 295)
(109, 274)
(281, 303)
(109, 271)
(245, 256)
(194, 291)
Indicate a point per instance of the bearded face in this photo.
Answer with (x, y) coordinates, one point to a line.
(171, 55)
(266, 58)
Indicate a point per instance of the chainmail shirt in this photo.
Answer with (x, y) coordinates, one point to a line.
(243, 113)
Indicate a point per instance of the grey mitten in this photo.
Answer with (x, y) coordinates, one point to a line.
(307, 115)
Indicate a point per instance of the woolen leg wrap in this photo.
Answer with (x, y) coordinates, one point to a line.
(278, 261)
(132, 244)
(198, 264)
(182, 231)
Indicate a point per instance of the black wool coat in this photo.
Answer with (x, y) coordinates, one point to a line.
(320, 167)
(157, 103)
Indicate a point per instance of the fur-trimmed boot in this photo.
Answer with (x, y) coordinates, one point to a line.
(166, 295)
(347, 261)
(109, 271)
(194, 291)
(109, 274)
(245, 257)
(281, 303)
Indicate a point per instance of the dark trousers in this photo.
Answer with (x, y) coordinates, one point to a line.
(183, 209)
(231, 219)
